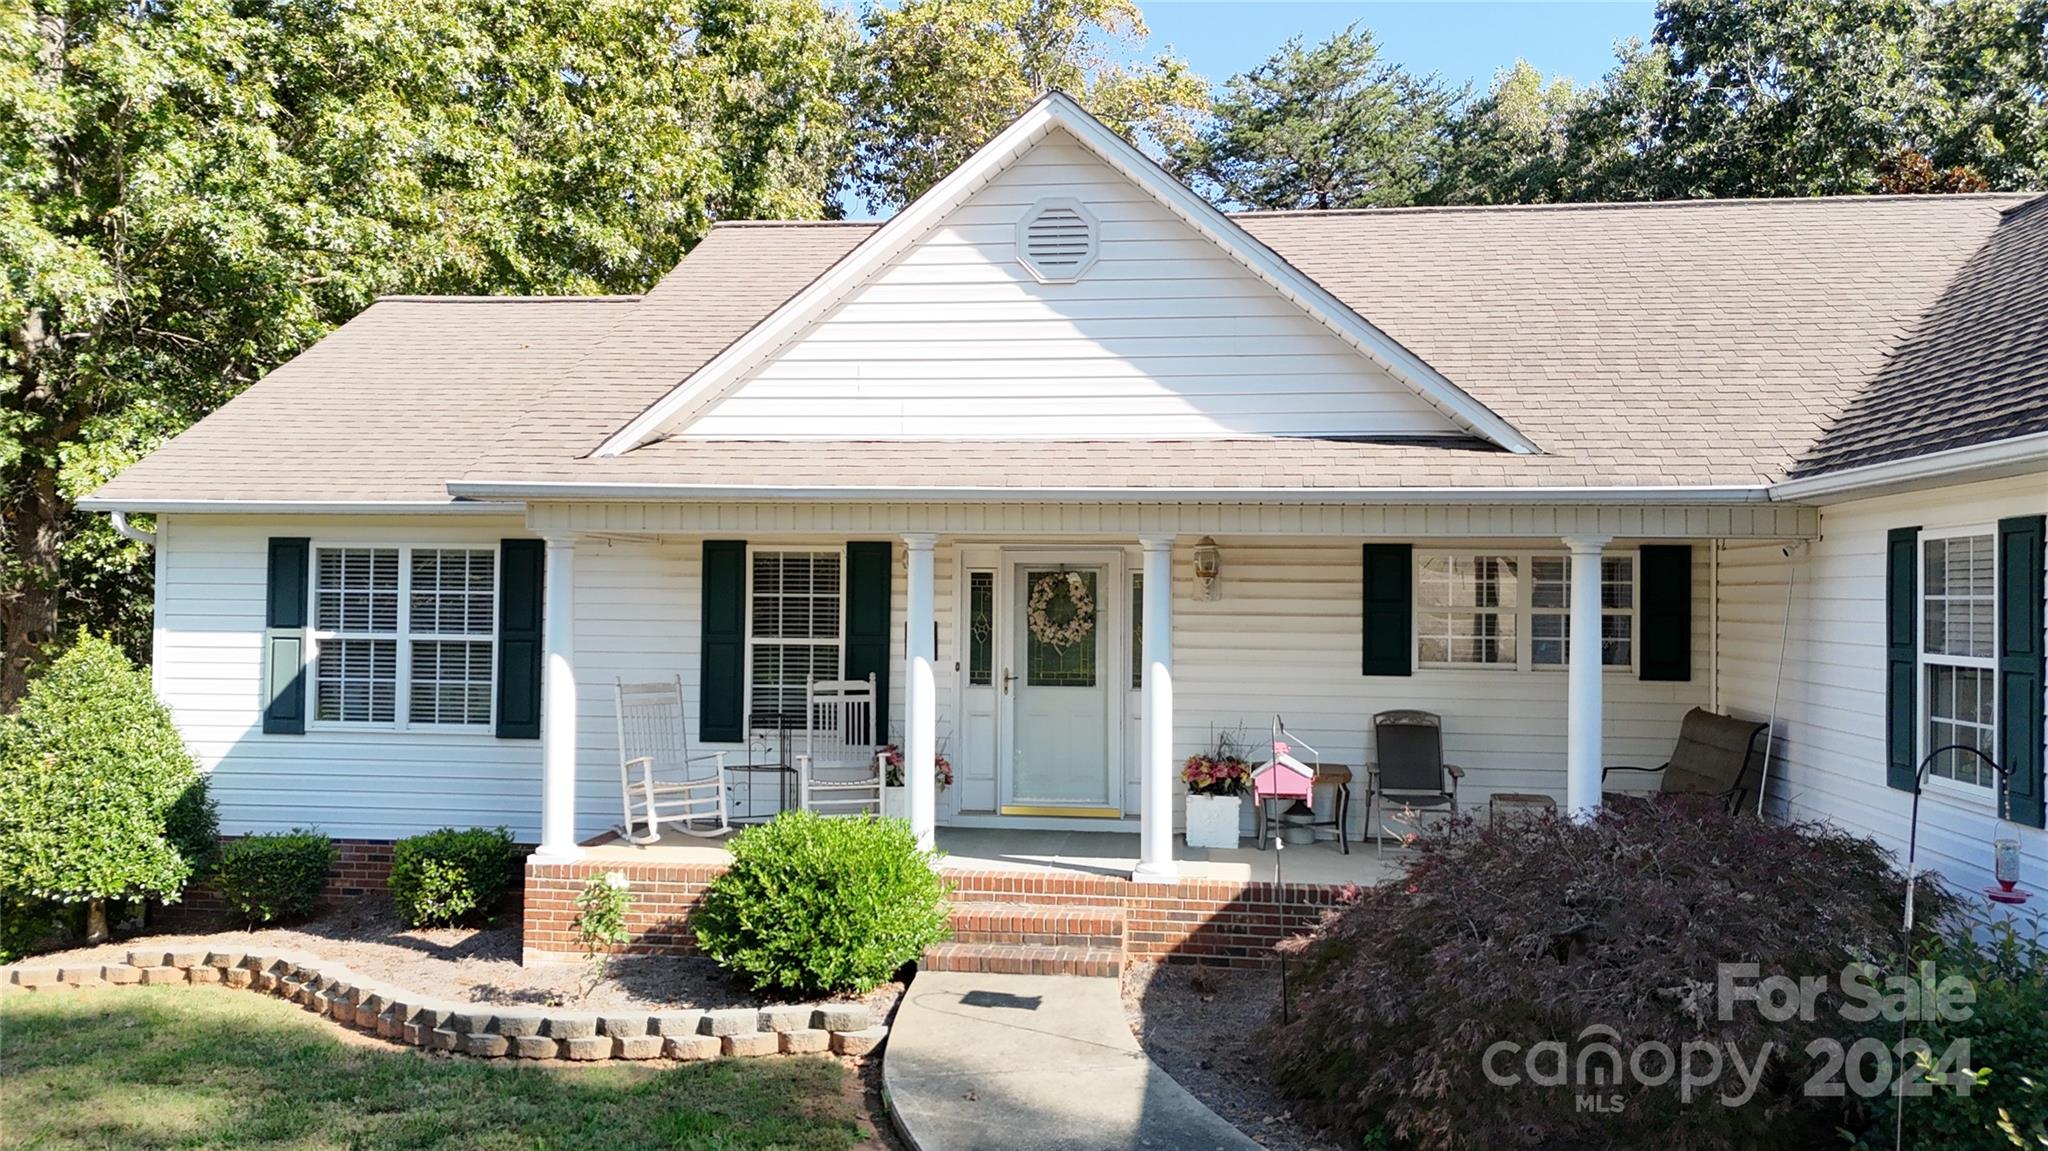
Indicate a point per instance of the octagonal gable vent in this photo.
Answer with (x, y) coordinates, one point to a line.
(1056, 240)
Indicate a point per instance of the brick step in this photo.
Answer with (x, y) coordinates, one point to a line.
(1014, 959)
(1041, 924)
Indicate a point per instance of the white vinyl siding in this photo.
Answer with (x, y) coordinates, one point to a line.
(1829, 757)
(1165, 337)
(1284, 638)
(363, 781)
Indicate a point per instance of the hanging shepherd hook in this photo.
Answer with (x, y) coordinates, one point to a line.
(1913, 882)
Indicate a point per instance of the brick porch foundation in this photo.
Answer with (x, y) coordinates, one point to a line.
(1202, 921)
(361, 866)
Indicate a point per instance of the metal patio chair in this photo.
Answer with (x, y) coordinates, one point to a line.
(1409, 768)
(1712, 758)
(840, 769)
(660, 782)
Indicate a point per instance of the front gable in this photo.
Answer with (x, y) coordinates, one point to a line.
(1060, 286)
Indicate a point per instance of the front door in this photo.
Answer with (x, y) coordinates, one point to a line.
(1063, 727)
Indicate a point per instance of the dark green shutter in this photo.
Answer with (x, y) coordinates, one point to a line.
(284, 637)
(2020, 656)
(868, 570)
(1901, 610)
(722, 668)
(1666, 653)
(1389, 609)
(522, 566)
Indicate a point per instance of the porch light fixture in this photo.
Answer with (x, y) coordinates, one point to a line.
(1208, 570)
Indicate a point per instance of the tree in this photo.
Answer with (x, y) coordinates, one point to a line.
(191, 192)
(1325, 127)
(946, 75)
(1819, 97)
(1508, 147)
(99, 800)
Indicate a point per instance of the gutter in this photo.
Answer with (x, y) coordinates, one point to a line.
(580, 490)
(2007, 457)
(122, 508)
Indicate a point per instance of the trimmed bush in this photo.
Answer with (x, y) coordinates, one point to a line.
(2006, 963)
(447, 875)
(1587, 938)
(813, 905)
(24, 923)
(99, 800)
(275, 877)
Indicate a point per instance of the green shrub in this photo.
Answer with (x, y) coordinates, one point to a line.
(814, 905)
(445, 875)
(99, 800)
(2006, 964)
(1581, 938)
(26, 922)
(268, 878)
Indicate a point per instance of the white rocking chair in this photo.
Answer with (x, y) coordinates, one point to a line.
(660, 782)
(839, 770)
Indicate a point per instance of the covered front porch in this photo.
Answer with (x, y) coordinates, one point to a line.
(1055, 854)
(1206, 619)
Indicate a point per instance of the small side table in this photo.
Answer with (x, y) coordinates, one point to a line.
(1517, 803)
(771, 761)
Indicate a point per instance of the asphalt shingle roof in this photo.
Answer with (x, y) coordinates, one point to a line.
(1696, 343)
(1974, 371)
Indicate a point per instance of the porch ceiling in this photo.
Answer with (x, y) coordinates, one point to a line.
(1126, 520)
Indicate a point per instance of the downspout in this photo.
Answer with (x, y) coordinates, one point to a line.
(1793, 553)
(121, 524)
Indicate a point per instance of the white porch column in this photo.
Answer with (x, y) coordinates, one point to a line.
(558, 703)
(920, 696)
(1155, 738)
(1583, 708)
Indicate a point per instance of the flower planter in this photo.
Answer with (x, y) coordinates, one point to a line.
(1213, 820)
(895, 802)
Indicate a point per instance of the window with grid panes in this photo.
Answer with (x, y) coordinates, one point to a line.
(1550, 601)
(1958, 653)
(403, 631)
(794, 634)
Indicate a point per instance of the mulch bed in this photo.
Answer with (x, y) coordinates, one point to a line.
(1202, 1026)
(477, 965)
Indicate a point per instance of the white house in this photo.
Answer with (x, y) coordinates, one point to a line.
(1788, 459)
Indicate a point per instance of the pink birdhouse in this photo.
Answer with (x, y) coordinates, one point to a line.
(1285, 776)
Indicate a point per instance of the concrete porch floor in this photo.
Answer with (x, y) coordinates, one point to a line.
(1111, 853)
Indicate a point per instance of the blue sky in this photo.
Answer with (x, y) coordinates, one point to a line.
(1458, 41)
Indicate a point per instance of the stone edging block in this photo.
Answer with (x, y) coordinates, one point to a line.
(332, 990)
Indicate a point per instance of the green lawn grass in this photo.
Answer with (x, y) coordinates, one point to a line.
(192, 1068)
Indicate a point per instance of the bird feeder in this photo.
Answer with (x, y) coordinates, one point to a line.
(2005, 865)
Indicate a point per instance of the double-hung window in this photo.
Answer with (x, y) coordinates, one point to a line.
(404, 636)
(795, 633)
(1958, 652)
(1468, 610)
(1550, 602)
(1513, 610)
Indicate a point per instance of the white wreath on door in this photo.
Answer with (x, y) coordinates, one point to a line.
(1078, 627)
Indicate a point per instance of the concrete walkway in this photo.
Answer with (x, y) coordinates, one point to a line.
(1023, 1062)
